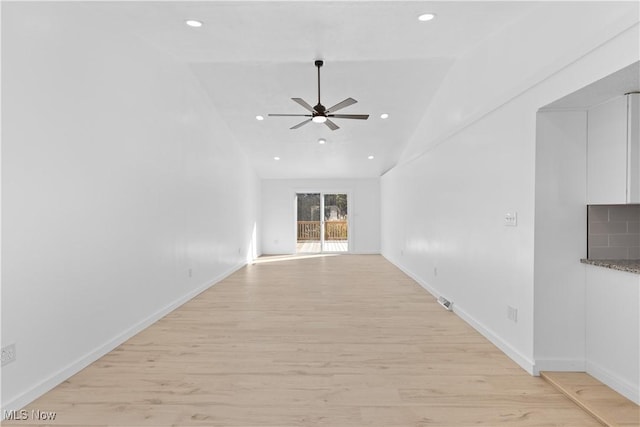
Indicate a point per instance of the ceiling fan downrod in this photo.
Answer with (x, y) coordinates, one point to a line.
(319, 108)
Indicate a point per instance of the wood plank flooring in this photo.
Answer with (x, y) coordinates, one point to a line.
(312, 341)
(313, 246)
(605, 404)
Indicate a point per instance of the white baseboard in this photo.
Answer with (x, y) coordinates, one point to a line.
(559, 365)
(418, 280)
(524, 362)
(23, 399)
(621, 385)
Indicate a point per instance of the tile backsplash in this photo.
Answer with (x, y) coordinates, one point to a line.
(614, 232)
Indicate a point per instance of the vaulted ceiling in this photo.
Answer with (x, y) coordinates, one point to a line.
(253, 57)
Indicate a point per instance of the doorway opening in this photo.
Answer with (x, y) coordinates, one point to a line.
(322, 222)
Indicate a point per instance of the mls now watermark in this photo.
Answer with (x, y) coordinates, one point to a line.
(32, 415)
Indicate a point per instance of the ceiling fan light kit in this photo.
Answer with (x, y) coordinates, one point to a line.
(321, 114)
(193, 23)
(426, 17)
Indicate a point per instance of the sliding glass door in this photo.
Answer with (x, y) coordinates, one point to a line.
(322, 222)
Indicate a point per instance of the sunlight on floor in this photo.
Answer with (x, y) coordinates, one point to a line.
(277, 258)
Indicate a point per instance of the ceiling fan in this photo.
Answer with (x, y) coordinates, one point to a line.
(320, 114)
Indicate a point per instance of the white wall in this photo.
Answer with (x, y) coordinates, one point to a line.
(279, 216)
(118, 178)
(560, 240)
(473, 159)
(587, 318)
(613, 329)
(445, 211)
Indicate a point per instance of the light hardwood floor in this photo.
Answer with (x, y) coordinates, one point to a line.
(314, 341)
(313, 246)
(603, 403)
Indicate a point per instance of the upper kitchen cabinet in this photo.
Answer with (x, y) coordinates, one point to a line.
(613, 151)
(633, 148)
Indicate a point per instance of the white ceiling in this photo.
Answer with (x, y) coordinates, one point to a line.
(252, 57)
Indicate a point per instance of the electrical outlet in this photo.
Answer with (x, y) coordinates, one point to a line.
(8, 354)
(511, 219)
(190, 272)
(512, 314)
(435, 271)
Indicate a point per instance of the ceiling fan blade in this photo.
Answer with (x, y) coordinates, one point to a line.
(289, 115)
(331, 125)
(303, 103)
(340, 105)
(349, 116)
(300, 124)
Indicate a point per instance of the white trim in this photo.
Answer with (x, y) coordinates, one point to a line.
(425, 285)
(524, 362)
(76, 366)
(619, 384)
(559, 365)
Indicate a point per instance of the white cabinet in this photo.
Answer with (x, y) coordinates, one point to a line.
(613, 151)
(612, 329)
(633, 148)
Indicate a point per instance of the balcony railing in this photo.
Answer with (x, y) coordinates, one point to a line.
(333, 230)
(308, 230)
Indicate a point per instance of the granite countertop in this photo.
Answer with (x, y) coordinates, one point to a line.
(629, 265)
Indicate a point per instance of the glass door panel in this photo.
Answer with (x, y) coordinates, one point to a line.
(308, 223)
(335, 236)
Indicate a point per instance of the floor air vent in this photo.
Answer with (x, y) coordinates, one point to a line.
(445, 303)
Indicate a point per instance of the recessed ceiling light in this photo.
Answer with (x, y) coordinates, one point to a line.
(259, 118)
(370, 157)
(322, 141)
(384, 116)
(319, 119)
(276, 158)
(193, 23)
(426, 17)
